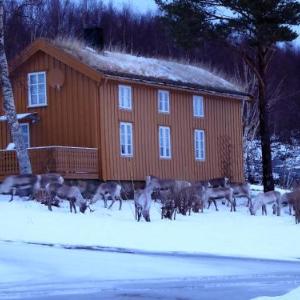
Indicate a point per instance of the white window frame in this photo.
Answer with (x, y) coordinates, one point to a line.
(125, 103)
(28, 130)
(199, 144)
(198, 106)
(128, 130)
(164, 142)
(163, 102)
(38, 104)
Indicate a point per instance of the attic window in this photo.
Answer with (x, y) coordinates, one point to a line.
(37, 95)
(125, 97)
(198, 106)
(163, 101)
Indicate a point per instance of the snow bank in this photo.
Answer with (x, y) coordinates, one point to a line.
(293, 295)
(220, 233)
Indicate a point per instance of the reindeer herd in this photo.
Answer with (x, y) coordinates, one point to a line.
(175, 196)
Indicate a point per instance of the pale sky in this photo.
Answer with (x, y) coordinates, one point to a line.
(150, 5)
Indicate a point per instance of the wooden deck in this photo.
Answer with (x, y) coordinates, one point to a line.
(70, 162)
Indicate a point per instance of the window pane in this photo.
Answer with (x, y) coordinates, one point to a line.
(41, 78)
(34, 99)
(32, 79)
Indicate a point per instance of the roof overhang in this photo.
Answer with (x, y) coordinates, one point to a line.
(178, 85)
(32, 117)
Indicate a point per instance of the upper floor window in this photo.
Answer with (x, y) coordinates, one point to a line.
(163, 101)
(125, 97)
(198, 106)
(164, 142)
(25, 133)
(126, 139)
(199, 138)
(37, 93)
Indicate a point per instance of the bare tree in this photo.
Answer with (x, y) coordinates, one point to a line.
(9, 104)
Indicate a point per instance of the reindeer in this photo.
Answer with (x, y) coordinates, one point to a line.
(218, 182)
(168, 209)
(212, 194)
(241, 190)
(21, 185)
(293, 201)
(262, 199)
(70, 193)
(107, 189)
(143, 200)
(41, 194)
(191, 198)
(171, 184)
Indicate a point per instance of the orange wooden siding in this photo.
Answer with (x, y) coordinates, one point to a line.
(70, 116)
(85, 113)
(222, 125)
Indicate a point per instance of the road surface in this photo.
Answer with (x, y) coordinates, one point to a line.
(52, 273)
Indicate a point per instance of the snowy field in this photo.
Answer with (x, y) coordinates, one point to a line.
(219, 233)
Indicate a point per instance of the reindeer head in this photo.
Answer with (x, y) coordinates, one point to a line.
(83, 207)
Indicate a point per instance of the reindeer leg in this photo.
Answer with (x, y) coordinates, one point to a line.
(120, 205)
(112, 202)
(13, 193)
(215, 204)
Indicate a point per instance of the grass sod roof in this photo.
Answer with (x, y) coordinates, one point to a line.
(153, 70)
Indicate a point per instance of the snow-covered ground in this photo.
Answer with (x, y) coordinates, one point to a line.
(219, 233)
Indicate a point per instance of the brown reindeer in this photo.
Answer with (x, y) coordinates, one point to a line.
(191, 198)
(107, 189)
(218, 182)
(168, 208)
(293, 201)
(174, 185)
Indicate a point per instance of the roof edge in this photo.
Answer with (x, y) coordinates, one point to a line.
(177, 85)
(44, 45)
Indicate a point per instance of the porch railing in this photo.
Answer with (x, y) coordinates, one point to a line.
(71, 162)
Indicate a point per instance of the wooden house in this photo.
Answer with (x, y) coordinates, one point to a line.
(113, 116)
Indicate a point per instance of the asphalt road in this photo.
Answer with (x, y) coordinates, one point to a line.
(140, 276)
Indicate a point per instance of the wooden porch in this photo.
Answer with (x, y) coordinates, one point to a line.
(70, 162)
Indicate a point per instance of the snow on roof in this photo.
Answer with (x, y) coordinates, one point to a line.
(19, 116)
(153, 69)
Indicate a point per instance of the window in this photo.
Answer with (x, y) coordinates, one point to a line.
(37, 94)
(199, 138)
(198, 106)
(25, 133)
(126, 144)
(164, 142)
(125, 97)
(163, 102)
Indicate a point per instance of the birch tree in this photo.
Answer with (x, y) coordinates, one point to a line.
(9, 104)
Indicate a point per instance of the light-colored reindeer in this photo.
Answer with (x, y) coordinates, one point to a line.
(70, 193)
(212, 194)
(241, 190)
(143, 200)
(21, 185)
(263, 199)
(107, 189)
